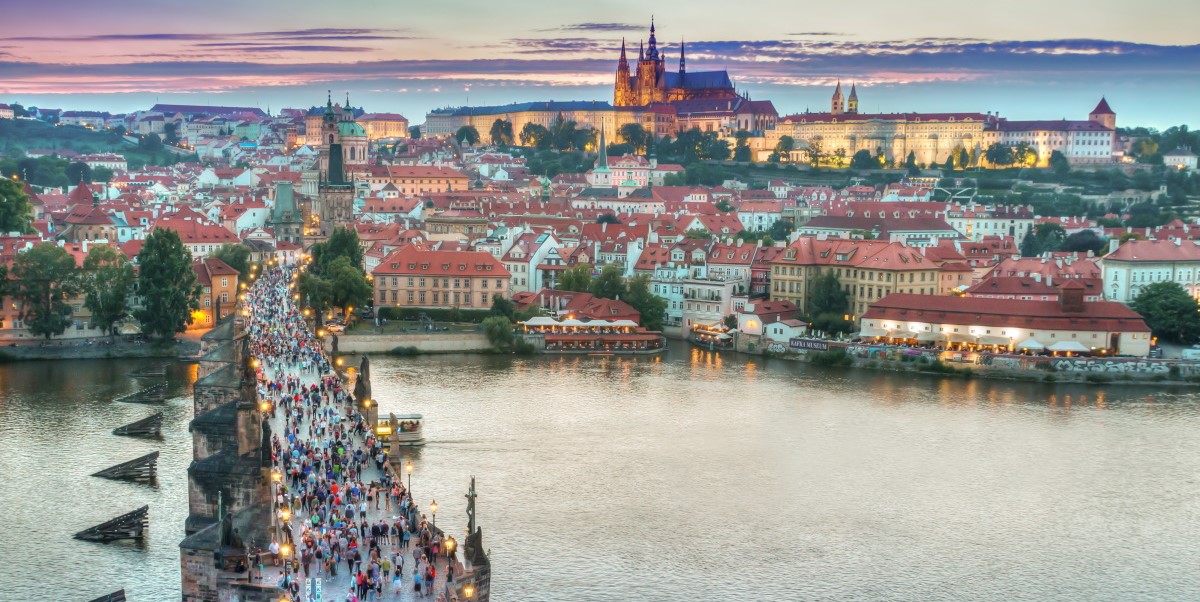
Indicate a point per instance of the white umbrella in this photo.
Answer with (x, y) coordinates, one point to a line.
(1072, 346)
(1030, 344)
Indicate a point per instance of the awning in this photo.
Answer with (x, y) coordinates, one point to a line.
(900, 334)
(989, 339)
(872, 332)
(128, 328)
(540, 321)
(1072, 346)
(955, 337)
(1031, 344)
(929, 337)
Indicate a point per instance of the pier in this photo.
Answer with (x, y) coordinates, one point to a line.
(293, 489)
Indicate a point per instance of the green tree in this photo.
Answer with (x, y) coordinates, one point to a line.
(1025, 155)
(562, 133)
(781, 230)
(910, 162)
(651, 307)
(634, 135)
(171, 132)
(315, 292)
(1050, 236)
(16, 212)
(79, 172)
(1083, 241)
(1059, 163)
(1030, 245)
(999, 155)
(502, 307)
(499, 331)
(166, 284)
(150, 143)
(349, 284)
(863, 160)
(44, 278)
(535, 136)
(414, 132)
(342, 242)
(108, 280)
(826, 295)
(607, 218)
(816, 152)
(236, 255)
(467, 135)
(501, 132)
(577, 278)
(610, 284)
(1170, 312)
(102, 174)
(783, 148)
(962, 159)
(741, 149)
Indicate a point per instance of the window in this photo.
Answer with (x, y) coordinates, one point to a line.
(224, 282)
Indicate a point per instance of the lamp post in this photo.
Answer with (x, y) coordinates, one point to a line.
(469, 591)
(408, 468)
(433, 511)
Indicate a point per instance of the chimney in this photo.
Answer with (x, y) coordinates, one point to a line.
(1037, 277)
(1070, 299)
(1113, 243)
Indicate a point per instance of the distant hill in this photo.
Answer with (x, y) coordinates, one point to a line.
(18, 136)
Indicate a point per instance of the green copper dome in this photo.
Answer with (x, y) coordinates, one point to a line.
(349, 128)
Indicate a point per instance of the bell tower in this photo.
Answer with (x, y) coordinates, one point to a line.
(837, 105)
(622, 90)
(852, 102)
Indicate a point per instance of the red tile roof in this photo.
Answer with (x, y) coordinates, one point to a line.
(1155, 250)
(409, 259)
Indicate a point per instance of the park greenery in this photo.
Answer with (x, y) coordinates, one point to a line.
(17, 136)
(1169, 311)
(828, 305)
(335, 278)
(44, 279)
(108, 279)
(16, 213)
(167, 285)
(236, 256)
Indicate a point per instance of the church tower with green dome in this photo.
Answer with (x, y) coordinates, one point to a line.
(343, 154)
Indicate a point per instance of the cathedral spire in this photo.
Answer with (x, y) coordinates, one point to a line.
(602, 162)
(653, 43)
(682, 60)
(623, 61)
(641, 51)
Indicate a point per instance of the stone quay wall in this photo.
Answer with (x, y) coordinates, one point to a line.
(424, 343)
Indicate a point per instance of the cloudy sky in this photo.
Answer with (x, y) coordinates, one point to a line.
(1026, 59)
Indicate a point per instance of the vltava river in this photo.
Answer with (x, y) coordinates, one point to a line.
(690, 477)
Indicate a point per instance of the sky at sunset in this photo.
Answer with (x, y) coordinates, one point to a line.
(1025, 59)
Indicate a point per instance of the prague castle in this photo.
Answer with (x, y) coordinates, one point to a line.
(652, 83)
(935, 137)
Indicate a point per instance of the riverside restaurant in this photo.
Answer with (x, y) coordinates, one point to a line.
(599, 337)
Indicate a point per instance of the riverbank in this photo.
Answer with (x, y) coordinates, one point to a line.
(1077, 370)
(96, 349)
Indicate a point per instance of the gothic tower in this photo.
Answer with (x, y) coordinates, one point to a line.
(838, 105)
(852, 102)
(1103, 115)
(682, 59)
(623, 91)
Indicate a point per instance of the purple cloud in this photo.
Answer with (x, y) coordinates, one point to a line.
(599, 27)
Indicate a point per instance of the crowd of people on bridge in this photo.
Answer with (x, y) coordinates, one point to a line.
(331, 476)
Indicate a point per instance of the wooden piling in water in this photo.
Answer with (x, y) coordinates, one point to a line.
(131, 525)
(142, 470)
(117, 596)
(150, 426)
(156, 393)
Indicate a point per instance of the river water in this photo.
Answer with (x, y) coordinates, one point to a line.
(693, 476)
